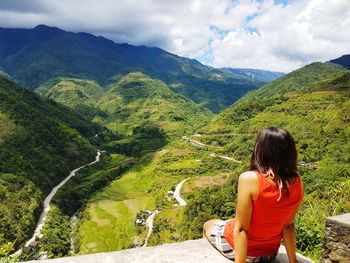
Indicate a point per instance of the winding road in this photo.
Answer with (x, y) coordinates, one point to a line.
(194, 142)
(199, 144)
(150, 218)
(225, 157)
(177, 193)
(47, 201)
(149, 223)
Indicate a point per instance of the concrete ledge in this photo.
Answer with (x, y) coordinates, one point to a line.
(192, 251)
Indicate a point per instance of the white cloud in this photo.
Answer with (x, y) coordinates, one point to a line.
(289, 36)
(224, 33)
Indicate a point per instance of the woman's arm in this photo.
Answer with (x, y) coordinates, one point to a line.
(247, 189)
(289, 236)
(289, 239)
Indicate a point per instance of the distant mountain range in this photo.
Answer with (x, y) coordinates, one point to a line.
(343, 61)
(257, 74)
(34, 56)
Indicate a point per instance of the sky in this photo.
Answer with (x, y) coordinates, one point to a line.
(279, 35)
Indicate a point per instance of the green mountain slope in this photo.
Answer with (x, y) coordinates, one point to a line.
(138, 100)
(34, 56)
(40, 142)
(313, 77)
(313, 103)
(79, 94)
(71, 92)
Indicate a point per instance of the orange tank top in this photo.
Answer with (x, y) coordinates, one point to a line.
(269, 215)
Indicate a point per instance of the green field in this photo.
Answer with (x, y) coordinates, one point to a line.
(111, 214)
(108, 222)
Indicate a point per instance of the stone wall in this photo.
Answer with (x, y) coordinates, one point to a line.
(337, 240)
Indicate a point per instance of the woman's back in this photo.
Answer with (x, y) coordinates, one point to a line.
(268, 197)
(270, 213)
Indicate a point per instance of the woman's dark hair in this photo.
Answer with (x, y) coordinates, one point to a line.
(275, 149)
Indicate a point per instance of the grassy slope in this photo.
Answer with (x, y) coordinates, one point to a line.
(40, 142)
(71, 92)
(132, 101)
(79, 94)
(303, 80)
(136, 100)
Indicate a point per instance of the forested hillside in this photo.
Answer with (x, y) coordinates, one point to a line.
(138, 100)
(135, 100)
(80, 94)
(34, 56)
(40, 142)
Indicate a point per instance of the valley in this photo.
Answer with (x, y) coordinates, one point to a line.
(316, 111)
(112, 213)
(46, 209)
(169, 137)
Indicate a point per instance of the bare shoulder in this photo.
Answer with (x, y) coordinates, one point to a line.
(248, 182)
(248, 177)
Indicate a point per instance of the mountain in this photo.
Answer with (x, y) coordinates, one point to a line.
(305, 80)
(71, 92)
(79, 94)
(40, 142)
(256, 74)
(313, 104)
(138, 100)
(134, 100)
(343, 61)
(33, 56)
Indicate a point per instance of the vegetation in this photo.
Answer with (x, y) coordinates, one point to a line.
(142, 140)
(74, 194)
(79, 94)
(5, 249)
(140, 120)
(315, 112)
(40, 142)
(137, 100)
(108, 222)
(56, 241)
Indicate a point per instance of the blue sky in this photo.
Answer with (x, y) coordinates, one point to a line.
(276, 35)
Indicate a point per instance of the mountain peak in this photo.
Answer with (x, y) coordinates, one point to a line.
(42, 27)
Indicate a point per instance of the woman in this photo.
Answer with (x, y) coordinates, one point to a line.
(269, 196)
